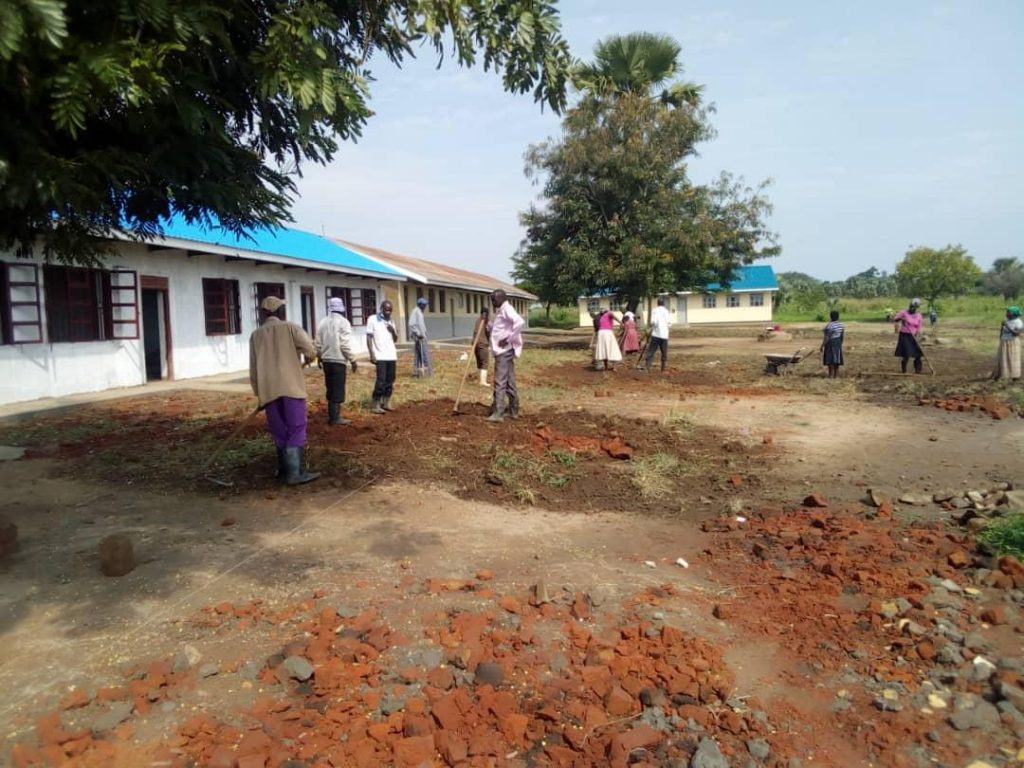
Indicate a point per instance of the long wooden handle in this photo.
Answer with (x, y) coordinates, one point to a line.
(230, 438)
(476, 338)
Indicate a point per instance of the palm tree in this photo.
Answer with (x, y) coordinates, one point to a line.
(639, 62)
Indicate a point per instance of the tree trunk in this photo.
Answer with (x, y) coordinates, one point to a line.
(547, 313)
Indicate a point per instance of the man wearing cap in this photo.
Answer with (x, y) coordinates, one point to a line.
(334, 347)
(277, 379)
(421, 365)
(380, 343)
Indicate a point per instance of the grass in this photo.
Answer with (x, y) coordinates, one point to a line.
(58, 432)
(971, 310)
(515, 470)
(560, 317)
(1006, 535)
(653, 475)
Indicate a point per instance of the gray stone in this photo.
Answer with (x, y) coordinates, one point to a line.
(168, 706)
(489, 673)
(915, 499)
(250, 670)
(975, 641)
(298, 668)
(428, 658)
(950, 586)
(759, 748)
(903, 604)
(708, 755)
(11, 452)
(344, 610)
(1015, 498)
(1006, 708)
(653, 697)
(390, 704)
(209, 670)
(982, 716)
(1012, 694)
(960, 503)
(655, 717)
(185, 659)
(119, 712)
(558, 662)
(1008, 662)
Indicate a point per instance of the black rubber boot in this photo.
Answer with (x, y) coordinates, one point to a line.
(294, 465)
(333, 412)
(385, 403)
(918, 366)
(281, 471)
(513, 408)
(375, 407)
(903, 365)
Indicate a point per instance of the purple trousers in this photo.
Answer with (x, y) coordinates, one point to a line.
(286, 419)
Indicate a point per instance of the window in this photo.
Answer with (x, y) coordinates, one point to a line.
(345, 294)
(263, 290)
(757, 299)
(442, 304)
(369, 301)
(593, 306)
(709, 301)
(20, 314)
(732, 300)
(430, 297)
(615, 305)
(220, 306)
(90, 304)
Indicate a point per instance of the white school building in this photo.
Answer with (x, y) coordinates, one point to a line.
(175, 307)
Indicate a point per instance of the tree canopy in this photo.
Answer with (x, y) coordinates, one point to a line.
(1006, 278)
(931, 273)
(619, 210)
(118, 112)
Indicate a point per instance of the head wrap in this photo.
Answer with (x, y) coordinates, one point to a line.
(1014, 310)
(336, 304)
(422, 301)
(915, 302)
(272, 304)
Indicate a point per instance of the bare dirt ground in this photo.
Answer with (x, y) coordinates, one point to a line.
(458, 593)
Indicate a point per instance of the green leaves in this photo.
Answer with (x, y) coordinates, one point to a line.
(620, 213)
(931, 273)
(122, 111)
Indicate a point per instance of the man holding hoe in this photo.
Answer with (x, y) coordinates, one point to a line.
(506, 346)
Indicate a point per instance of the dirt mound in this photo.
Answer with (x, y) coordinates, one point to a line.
(554, 458)
(991, 405)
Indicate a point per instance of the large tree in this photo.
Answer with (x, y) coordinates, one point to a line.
(619, 212)
(116, 112)
(930, 273)
(1006, 278)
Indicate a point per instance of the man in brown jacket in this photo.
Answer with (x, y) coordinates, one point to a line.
(279, 383)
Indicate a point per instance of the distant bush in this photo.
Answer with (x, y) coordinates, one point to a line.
(561, 317)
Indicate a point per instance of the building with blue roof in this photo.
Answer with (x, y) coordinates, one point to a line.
(182, 305)
(748, 299)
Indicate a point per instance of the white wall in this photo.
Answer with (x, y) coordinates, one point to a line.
(689, 309)
(31, 371)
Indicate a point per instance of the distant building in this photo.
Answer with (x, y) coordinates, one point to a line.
(454, 296)
(747, 300)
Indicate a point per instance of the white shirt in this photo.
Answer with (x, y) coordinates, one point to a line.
(378, 333)
(660, 322)
(1017, 324)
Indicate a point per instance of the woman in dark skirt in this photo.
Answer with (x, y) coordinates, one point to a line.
(832, 345)
(908, 327)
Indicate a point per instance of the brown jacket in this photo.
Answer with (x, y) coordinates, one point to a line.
(274, 366)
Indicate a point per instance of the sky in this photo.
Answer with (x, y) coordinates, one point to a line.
(882, 126)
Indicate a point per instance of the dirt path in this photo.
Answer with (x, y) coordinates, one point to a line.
(416, 554)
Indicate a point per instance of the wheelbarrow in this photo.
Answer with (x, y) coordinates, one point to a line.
(778, 364)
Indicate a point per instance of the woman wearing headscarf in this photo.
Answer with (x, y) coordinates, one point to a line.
(908, 327)
(630, 338)
(1008, 364)
(606, 348)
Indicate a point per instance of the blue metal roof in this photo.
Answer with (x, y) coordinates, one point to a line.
(278, 241)
(760, 277)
